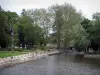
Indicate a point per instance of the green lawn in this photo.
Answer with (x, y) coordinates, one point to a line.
(14, 53)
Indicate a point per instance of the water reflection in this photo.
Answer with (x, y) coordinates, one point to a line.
(57, 65)
(78, 58)
(93, 61)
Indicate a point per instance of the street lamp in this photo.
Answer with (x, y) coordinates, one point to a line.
(12, 34)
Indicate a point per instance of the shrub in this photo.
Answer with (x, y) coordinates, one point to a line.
(18, 49)
(42, 47)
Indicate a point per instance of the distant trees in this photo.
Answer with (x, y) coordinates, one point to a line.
(59, 24)
(28, 32)
(92, 28)
(74, 29)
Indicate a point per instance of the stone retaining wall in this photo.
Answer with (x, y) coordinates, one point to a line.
(9, 61)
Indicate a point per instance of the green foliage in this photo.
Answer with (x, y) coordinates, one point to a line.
(42, 47)
(19, 49)
(86, 24)
(80, 37)
(31, 32)
(7, 19)
(66, 16)
(4, 36)
(95, 29)
(34, 26)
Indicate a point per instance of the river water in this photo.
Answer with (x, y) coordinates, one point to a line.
(56, 65)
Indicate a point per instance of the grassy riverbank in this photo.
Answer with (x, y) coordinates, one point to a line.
(14, 53)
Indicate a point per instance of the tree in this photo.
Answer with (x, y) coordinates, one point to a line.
(96, 16)
(40, 17)
(27, 31)
(4, 37)
(7, 20)
(70, 17)
(80, 37)
(95, 31)
(86, 24)
(58, 26)
(92, 28)
(3, 33)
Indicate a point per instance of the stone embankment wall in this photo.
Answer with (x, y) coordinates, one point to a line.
(9, 61)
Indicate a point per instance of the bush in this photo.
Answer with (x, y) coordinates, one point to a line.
(42, 47)
(18, 49)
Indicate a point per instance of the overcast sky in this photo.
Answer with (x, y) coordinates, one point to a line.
(88, 7)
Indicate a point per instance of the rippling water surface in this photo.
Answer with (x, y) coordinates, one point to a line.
(56, 65)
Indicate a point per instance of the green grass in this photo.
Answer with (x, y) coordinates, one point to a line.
(14, 53)
(4, 54)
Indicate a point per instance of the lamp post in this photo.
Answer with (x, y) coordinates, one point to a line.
(12, 39)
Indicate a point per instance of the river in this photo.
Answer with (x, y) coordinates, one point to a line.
(56, 65)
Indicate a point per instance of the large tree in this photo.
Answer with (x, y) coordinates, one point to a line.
(43, 18)
(58, 26)
(95, 31)
(3, 33)
(27, 31)
(69, 17)
(80, 37)
(7, 20)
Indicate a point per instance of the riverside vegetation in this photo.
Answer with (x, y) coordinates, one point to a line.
(61, 25)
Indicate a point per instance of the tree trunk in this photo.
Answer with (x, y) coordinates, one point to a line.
(58, 36)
